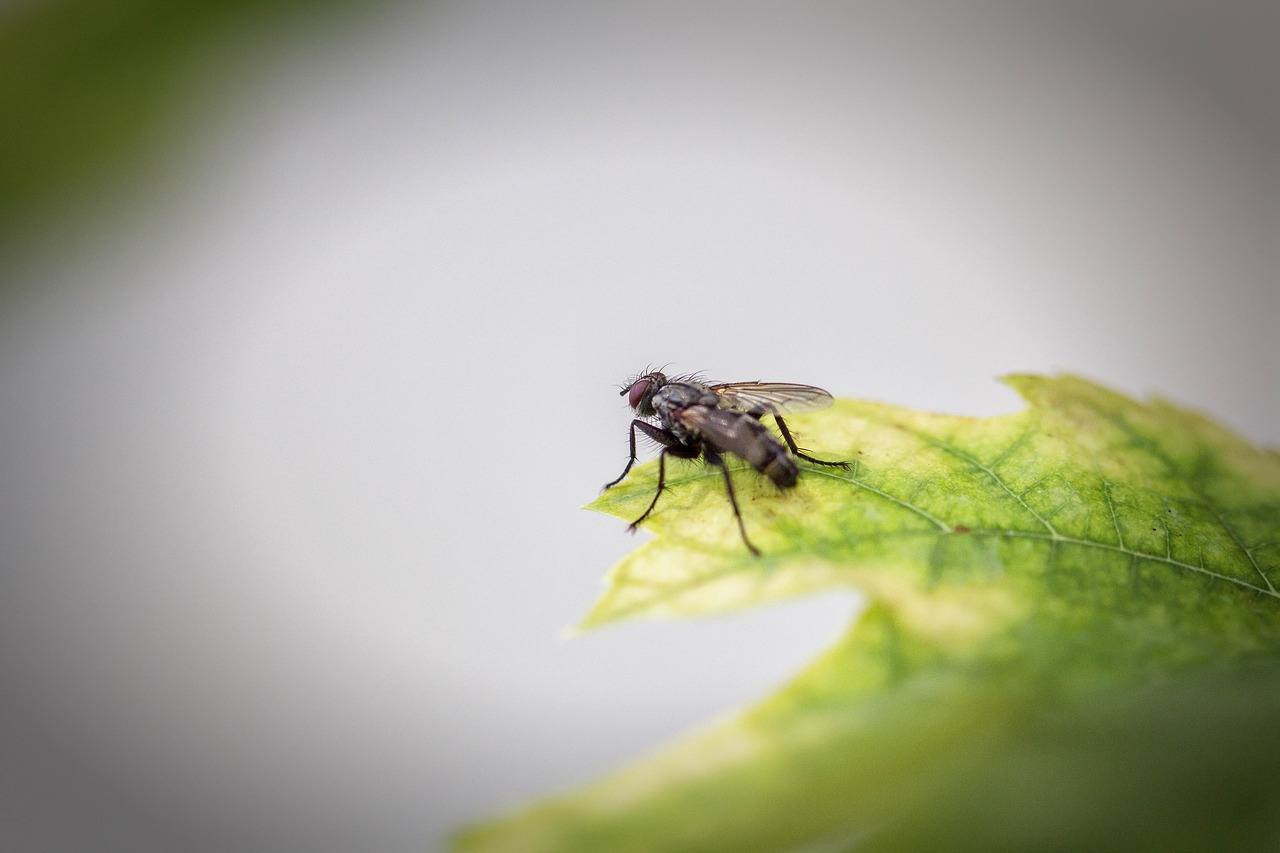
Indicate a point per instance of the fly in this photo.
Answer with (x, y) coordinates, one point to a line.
(695, 419)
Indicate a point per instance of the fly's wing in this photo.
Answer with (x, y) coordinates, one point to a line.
(778, 398)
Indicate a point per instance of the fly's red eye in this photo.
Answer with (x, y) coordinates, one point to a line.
(638, 390)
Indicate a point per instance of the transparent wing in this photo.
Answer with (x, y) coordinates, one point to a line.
(779, 398)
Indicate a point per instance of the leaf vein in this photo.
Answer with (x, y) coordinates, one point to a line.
(1115, 519)
(1134, 555)
(1191, 482)
(999, 481)
(923, 513)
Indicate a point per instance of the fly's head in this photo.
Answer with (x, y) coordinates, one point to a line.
(641, 390)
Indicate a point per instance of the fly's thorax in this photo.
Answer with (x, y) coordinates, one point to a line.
(680, 395)
(675, 397)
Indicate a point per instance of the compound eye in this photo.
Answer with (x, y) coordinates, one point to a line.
(638, 392)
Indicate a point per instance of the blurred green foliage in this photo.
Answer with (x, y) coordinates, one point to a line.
(87, 86)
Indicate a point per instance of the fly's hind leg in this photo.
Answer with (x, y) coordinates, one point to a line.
(796, 451)
(715, 459)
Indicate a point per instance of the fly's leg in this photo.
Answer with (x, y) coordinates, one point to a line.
(659, 435)
(715, 459)
(662, 481)
(791, 445)
(684, 451)
(631, 460)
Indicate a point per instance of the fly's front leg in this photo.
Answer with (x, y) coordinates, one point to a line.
(673, 447)
(662, 483)
(791, 445)
(661, 436)
(715, 459)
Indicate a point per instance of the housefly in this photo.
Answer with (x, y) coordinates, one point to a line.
(696, 419)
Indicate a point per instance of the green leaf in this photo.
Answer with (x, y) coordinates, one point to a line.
(1072, 640)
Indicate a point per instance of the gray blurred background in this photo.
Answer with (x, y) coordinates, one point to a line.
(313, 318)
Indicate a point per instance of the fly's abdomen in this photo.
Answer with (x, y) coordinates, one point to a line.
(745, 437)
(781, 468)
(766, 455)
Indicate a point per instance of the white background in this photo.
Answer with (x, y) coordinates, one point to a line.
(293, 440)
